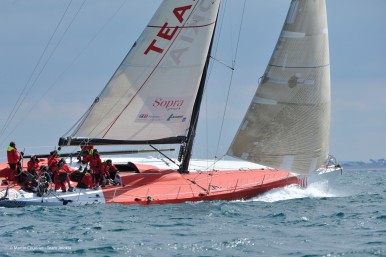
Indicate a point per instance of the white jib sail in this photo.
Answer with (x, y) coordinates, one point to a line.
(151, 95)
(288, 122)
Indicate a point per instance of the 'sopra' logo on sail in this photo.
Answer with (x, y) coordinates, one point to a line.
(170, 109)
(169, 104)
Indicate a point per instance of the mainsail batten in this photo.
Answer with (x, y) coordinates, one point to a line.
(287, 124)
(150, 97)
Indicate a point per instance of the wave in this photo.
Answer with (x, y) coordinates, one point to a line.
(318, 189)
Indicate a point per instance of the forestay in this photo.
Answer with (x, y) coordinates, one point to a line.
(288, 122)
(150, 97)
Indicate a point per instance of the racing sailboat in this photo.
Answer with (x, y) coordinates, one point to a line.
(154, 98)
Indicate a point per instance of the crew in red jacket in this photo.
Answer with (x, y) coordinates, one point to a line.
(33, 165)
(53, 159)
(86, 181)
(14, 157)
(61, 176)
(85, 150)
(30, 178)
(109, 170)
(52, 162)
(95, 165)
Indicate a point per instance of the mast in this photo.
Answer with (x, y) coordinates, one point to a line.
(187, 146)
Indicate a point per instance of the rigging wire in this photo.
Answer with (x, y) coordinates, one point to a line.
(231, 79)
(20, 100)
(85, 142)
(68, 67)
(49, 57)
(223, 63)
(209, 74)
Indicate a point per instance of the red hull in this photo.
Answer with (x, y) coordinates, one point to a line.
(168, 186)
(165, 186)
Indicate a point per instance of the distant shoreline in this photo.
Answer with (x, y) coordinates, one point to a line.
(363, 168)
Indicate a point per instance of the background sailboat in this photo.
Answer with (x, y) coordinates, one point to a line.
(287, 125)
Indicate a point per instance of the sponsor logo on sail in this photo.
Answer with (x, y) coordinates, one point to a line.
(145, 116)
(165, 109)
(168, 32)
(173, 117)
(170, 104)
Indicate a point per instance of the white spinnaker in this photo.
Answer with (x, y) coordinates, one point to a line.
(288, 122)
(151, 95)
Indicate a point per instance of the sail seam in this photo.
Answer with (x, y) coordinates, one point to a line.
(299, 67)
(180, 27)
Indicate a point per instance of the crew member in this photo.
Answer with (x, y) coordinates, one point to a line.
(61, 176)
(85, 150)
(14, 158)
(30, 177)
(95, 165)
(52, 162)
(33, 165)
(53, 159)
(86, 181)
(108, 170)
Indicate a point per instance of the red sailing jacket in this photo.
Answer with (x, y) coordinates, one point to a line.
(52, 161)
(64, 168)
(87, 180)
(87, 148)
(32, 165)
(95, 162)
(12, 155)
(106, 168)
(57, 180)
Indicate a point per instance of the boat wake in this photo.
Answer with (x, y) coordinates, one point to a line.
(317, 189)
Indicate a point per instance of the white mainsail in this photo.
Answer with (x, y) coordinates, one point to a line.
(288, 121)
(150, 97)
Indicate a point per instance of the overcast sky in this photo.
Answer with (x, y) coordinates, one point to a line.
(56, 72)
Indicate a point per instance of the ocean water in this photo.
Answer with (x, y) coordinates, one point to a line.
(343, 216)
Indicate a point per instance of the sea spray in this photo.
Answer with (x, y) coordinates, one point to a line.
(317, 189)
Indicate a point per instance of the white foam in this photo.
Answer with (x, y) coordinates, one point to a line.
(314, 190)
